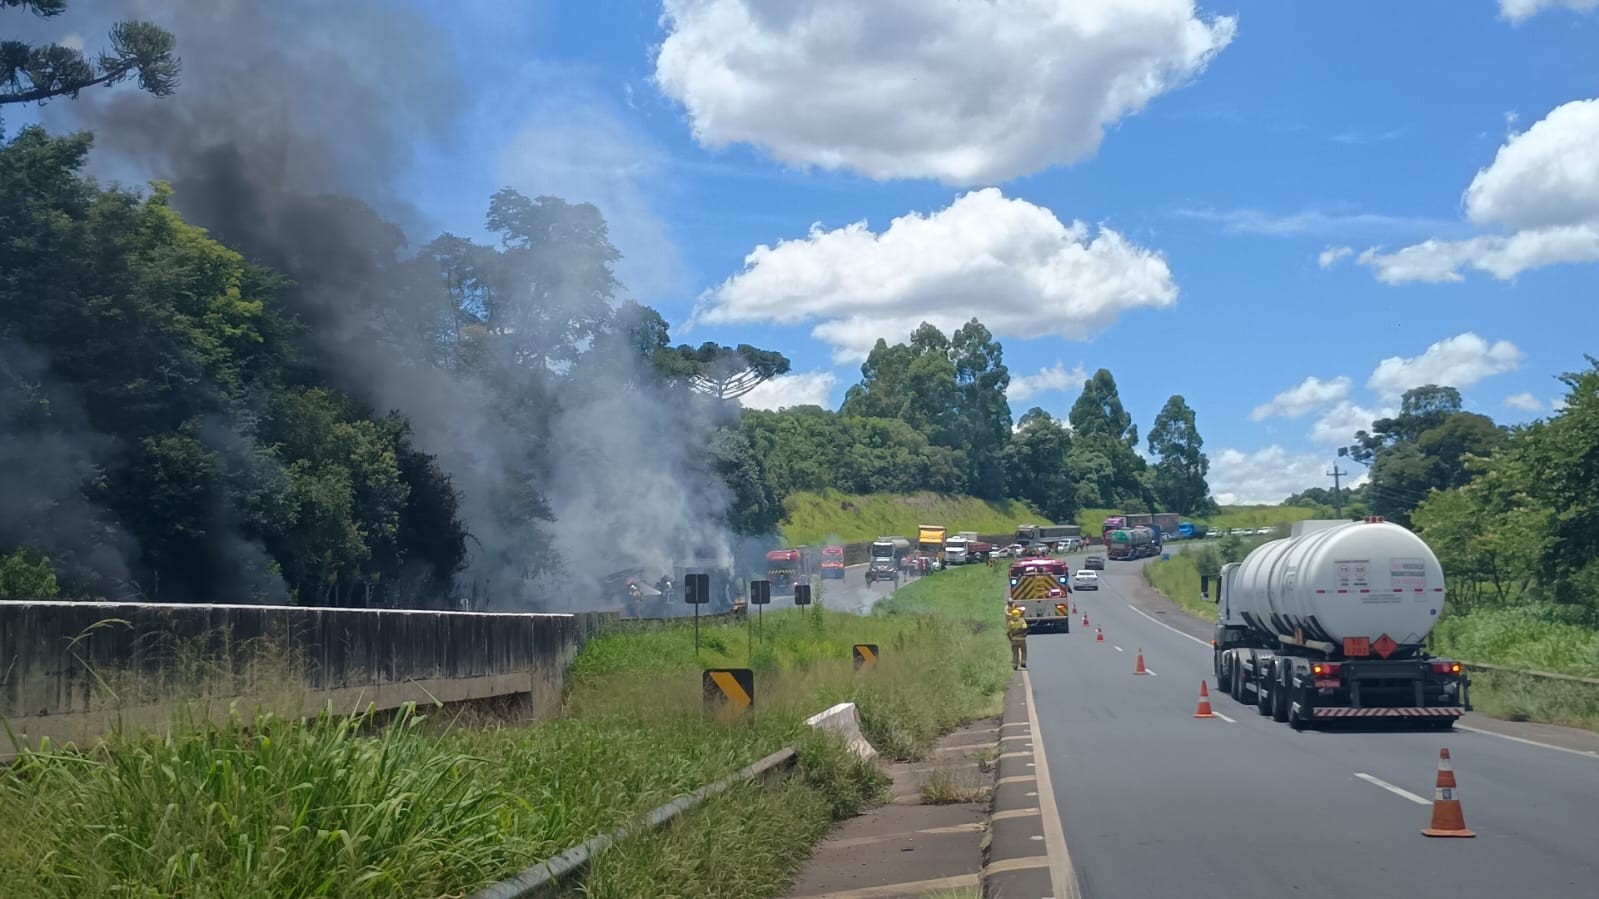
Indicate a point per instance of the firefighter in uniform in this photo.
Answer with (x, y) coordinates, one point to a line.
(1016, 629)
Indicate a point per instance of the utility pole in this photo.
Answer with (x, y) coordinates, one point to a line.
(1338, 496)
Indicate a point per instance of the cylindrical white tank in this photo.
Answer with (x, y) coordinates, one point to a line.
(1362, 579)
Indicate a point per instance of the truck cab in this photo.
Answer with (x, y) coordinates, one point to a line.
(833, 562)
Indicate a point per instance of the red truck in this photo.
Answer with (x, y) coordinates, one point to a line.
(833, 563)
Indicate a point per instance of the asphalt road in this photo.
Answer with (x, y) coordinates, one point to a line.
(1156, 803)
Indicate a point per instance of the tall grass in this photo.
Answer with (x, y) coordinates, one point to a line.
(258, 806)
(810, 518)
(1535, 636)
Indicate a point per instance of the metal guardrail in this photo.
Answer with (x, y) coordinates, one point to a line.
(548, 876)
(1572, 678)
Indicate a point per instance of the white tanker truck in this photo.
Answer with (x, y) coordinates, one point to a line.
(1329, 624)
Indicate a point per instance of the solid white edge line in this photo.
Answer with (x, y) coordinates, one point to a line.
(1584, 753)
(1062, 876)
(1397, 791)
(1204, 643)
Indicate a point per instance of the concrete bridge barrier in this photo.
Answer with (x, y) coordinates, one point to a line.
(71, 672)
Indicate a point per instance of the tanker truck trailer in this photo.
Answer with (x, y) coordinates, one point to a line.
(1329, 624)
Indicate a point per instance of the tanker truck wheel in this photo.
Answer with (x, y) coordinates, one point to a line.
(1279, 697)
(1263, 691)
(1224, 675)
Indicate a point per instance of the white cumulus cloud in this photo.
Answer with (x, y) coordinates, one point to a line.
(1519, 11)
(1269, 475)
(1307, 396)
(963, 92)
(1524, 401)
(1337, 426)
(1460, 361)
(1332, 255)
(1541, 190)
(1014, 264)
(1057, 378)
(1558, 404)
(806, 389)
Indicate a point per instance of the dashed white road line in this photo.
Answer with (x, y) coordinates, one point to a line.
(1585, 753)
(1223, 717)
(1204, 643)
(1119, 649)
(1397, 791)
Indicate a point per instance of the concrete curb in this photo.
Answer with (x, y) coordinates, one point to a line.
(845, 720)
(1016, 865)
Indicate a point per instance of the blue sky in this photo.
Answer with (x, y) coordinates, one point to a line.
(1215, 157)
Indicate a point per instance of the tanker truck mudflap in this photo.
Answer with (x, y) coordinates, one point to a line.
(1330, 624)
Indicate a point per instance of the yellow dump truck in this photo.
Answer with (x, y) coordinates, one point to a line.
(930, 540)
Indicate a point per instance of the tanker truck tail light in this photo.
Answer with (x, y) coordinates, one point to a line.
(1325, 669)
(1446, 668)
(1060, 608)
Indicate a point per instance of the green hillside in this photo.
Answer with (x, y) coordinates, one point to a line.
(1230, 517)
(814, 517)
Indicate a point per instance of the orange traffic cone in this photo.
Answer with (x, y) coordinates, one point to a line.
(1204, 702)
(1447, 818)
(1099, 635)
(1140, 669)
(1085, 619)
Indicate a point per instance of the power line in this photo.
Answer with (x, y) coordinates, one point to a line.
(1338, 496)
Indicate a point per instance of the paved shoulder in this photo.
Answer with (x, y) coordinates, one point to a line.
(926, 839)
(1026, 851)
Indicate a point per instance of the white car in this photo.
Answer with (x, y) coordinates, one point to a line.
(1085, 580)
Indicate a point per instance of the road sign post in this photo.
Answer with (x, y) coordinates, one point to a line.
(761, 597)
(728, 690)
(697, 592)
(865, 656)
(802, 594)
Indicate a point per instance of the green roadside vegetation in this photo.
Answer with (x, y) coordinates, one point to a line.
(430, 804)
(814, 517)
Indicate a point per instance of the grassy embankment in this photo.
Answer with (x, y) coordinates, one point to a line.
(424, 806)
(1523, 638)
(811, 518)
(1229, 517)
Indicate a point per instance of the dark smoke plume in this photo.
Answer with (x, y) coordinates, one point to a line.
(291, 126)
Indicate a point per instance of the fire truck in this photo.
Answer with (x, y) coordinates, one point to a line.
(833, 562)
(1039, 587)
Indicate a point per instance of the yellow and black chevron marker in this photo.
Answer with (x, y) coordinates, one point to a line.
(729, 689)
(865, 656)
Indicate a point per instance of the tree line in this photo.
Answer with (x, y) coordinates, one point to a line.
(218, 390)
(1511, 512)
(931, 414)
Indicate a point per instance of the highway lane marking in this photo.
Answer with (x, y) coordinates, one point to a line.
(1119, 649)
(1585, 753)
(1397, 791)
(1204, 643)
(1223, 717)
(1062, 876)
